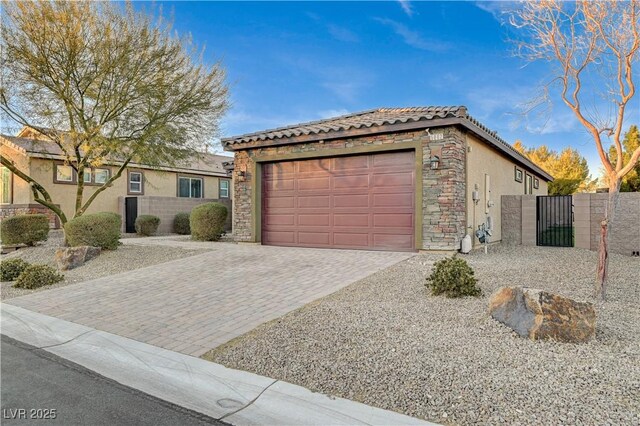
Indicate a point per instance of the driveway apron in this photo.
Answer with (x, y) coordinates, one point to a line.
(196, 303)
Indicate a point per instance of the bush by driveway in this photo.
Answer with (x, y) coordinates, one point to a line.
(386, 342)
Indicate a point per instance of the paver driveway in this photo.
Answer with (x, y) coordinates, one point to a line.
(194, 304)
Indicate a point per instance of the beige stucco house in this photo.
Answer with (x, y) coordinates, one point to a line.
(384, 179)
(161, 191)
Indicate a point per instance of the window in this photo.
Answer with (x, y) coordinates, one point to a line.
(6, 188)
(102, 175)
(224, 188)
(64, 173)
(528, 184)
(536, 183)
(87, 175)
(135, 182)
(518, 175)
(189, 187)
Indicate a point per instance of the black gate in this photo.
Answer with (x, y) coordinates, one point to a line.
(554, 221)
(131, 213)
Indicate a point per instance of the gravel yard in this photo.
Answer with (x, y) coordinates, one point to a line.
(125, 258)
(385, 342)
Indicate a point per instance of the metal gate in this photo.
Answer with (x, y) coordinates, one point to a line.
(131, 213)
(554, 221)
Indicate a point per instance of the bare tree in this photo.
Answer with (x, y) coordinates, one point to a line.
(593, 46)
(107, 85)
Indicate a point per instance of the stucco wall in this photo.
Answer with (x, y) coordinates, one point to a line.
(156, 183)
(21, 189)
(483, 161)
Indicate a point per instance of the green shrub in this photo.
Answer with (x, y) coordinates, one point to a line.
(181, 224)
(207, 221)
(10, 269)
(25, 229)
(35, 276)
(96, 229)
(453, 277)
(147, 224)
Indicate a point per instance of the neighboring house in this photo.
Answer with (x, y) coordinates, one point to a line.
(141, 189)
(384, 179)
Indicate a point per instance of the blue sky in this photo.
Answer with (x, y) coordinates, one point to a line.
(289, 62)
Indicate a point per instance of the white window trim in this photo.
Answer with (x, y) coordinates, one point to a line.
(70, 180)
(227, 189)
(95, 173)
(87, 172)
(137, 182)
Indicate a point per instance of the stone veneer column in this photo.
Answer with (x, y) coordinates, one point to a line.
(242, 218)
(443, 191)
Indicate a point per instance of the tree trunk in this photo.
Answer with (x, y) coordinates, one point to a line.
(602, 271)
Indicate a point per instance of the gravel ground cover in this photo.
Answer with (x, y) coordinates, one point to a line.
(125, 258)
(386, 342)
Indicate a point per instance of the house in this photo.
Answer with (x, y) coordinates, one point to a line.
(384, 179)
(142, 189)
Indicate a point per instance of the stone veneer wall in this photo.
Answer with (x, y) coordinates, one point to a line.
(443, 190)
(519, 226)
(8, 210)
(166, 209)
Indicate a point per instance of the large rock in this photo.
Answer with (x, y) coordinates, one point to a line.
(538, 314)
(72, 257)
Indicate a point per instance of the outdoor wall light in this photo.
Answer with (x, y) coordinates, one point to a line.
(435, 162)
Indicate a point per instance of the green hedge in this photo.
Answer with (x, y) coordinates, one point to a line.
(11, 269)
(207, 221)
(25, 229)
(147, 224)
(35, 276)
(96, 229)
(181, 224)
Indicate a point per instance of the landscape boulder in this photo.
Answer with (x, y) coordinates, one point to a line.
(538, 314)
(72, 257)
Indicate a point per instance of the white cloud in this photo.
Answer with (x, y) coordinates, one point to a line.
(406, 7)
(414, 38)
(342, 33)
(498, 9)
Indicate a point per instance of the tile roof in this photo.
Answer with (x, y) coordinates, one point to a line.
(385, 118)
(204, 163)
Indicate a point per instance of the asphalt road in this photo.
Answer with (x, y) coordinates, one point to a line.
(41, 388)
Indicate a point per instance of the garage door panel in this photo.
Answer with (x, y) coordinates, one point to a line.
(314, 219)
(279, 219)
(314, 183)
(279, 203)
(393, 220)
(351, 219)
(349, 182)
(351, 239)
(351, 163)
(363, 201)
(393, 240)
(393, 200)
(317, 201)
(314, 238)
(351, 200)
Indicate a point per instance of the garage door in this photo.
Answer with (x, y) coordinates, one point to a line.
(355, 202)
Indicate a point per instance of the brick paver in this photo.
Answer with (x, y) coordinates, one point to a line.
(194, 304)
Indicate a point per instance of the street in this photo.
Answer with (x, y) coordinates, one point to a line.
(41, 388)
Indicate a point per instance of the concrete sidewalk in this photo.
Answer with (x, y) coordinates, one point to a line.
(233, 396)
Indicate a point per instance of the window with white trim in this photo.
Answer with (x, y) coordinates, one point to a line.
(224, 188)
(189, 187)
(87, 175)
(135, 182)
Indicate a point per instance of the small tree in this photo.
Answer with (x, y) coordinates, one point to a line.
(631, 181)
(594, 46)
(107, 85)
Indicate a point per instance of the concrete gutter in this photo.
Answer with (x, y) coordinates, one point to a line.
(233, 396)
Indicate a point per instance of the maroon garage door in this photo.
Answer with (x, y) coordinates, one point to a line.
(359, 202)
